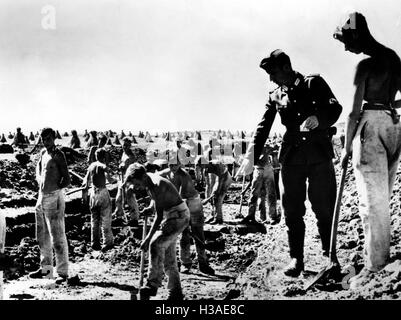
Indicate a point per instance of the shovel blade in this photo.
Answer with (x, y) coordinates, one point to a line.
(332, 271)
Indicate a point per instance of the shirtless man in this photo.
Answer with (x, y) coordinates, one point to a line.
(263, 184)
(373, 135)
(172, 216)
(99, 201)
(92, 150)
(218, 180)
(52, 176)
(126, 194)
(184, 184)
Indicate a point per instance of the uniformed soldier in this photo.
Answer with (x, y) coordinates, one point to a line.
(308, 109)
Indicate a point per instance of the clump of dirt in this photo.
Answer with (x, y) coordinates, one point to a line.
(14, 176)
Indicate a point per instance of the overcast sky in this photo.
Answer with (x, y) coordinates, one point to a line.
(162, 65)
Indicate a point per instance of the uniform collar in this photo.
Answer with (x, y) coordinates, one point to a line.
(297, 81)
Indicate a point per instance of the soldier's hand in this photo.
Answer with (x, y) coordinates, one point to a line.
(245, 168)
(310, 123)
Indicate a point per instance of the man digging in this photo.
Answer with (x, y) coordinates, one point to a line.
(185, 185)
(172, 218)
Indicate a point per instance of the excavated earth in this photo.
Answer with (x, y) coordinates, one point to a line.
(248, 259)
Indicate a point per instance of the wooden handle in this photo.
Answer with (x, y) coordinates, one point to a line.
(242, 194)
(333, 239)
(142, 268)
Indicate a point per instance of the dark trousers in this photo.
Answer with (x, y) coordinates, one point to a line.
(322, 196)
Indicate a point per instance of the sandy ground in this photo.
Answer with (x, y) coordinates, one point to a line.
(248, 259)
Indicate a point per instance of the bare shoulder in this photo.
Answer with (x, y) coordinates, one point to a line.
(156, 178)
(164, 172)
(183, 173)
(362, 70)
(59, 157)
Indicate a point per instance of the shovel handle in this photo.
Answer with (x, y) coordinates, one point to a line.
(142, 268)
(242, 194)
(333, 238)
(76, 175)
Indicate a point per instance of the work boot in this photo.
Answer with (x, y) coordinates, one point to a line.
(271, 221)
(360, 280)
(248, 219)
(107, 247)
(146, 292)
(186, 268)
(38, 274)
(61, 278)
(294, 268)
(206, 268)
(96, 246)
(175, 295)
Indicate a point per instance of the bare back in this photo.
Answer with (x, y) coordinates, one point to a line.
(187, 188)
(163, 192)
(383, 77)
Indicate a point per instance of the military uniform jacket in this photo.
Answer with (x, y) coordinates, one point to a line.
(307, 96)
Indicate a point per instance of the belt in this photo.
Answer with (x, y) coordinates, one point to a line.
(382, 107)
(176, 211)
(96, 189)
(376, 106)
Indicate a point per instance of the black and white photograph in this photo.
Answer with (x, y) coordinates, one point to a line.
(219, 151)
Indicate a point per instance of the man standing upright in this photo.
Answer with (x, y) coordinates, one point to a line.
(52, 176)
(373, 134)
(100, 202)
(263, 185)
(307, 108)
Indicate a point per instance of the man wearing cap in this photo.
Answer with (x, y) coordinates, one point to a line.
(127, 192)
(171, 219)
(308, 109)
(373, 135)
(263, 185)
(52, 176)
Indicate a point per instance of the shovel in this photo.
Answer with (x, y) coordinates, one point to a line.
(334, 268)
(242, 194)
(143, 253)
(2, 245)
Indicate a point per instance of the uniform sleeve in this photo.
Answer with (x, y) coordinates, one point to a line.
(328, 109)
(263, 129)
